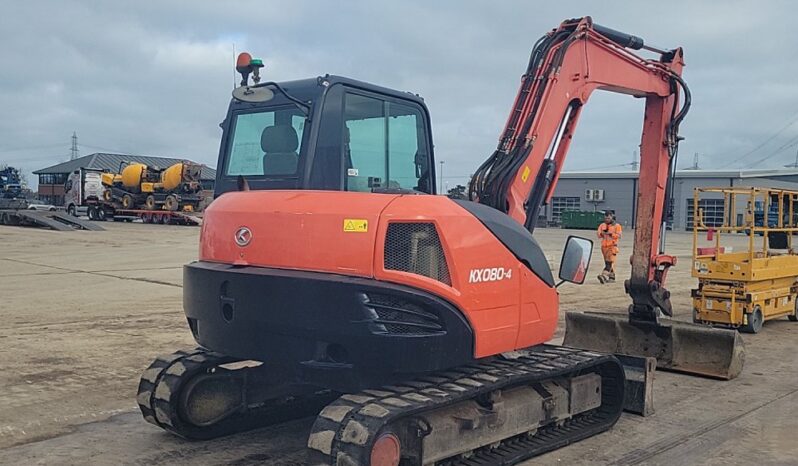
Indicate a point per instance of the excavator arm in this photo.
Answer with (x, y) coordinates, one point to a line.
(565, 67)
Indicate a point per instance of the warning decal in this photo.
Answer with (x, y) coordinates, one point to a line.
(356, 225)
(525, 174)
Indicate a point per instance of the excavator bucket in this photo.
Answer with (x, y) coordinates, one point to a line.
(678, 346)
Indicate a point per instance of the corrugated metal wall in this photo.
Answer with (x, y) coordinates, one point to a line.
(620, 193)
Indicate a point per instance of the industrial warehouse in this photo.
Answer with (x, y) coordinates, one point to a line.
(617, 191)
(297, 288)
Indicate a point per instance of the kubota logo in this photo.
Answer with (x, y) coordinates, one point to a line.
(491, 274)
(243, 236)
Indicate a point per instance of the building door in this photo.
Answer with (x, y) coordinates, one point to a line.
(561, 204)
(713, 212)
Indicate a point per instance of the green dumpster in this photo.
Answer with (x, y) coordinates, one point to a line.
(581, 219)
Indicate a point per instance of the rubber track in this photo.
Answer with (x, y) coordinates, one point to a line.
(162, 382)
(160, 385)
(345, 430)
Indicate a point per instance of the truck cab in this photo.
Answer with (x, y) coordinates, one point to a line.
(10, 183)
(82, 189)
(327, 133)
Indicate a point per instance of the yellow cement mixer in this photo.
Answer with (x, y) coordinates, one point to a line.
(140, 186)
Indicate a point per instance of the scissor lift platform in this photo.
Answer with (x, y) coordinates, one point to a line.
(743, 289)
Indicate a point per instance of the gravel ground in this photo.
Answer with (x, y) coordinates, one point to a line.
(85, 312)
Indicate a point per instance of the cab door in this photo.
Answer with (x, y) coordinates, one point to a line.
(372, 142)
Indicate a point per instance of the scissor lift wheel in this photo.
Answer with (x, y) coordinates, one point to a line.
(755, 321)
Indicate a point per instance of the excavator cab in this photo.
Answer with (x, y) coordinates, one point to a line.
(327, 133)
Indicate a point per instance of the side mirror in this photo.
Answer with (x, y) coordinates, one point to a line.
(575, 260)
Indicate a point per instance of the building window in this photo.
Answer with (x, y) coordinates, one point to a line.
(713, 212)
(53, 178)
(561, 204)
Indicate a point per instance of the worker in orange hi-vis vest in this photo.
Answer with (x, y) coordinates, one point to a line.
(610, 233)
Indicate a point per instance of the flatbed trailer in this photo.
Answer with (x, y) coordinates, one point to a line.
(109, 211)
(53, 220)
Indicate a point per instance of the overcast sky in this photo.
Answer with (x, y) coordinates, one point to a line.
(155, 77)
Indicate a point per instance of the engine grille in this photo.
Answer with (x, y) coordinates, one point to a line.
(398, 316)
(416, 248)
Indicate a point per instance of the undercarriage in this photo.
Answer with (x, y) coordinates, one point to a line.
(390, 374)
(498, 411)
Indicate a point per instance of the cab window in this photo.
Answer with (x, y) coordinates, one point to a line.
(384, 145)
(266, 143)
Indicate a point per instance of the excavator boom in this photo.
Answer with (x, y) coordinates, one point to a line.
(564, 69)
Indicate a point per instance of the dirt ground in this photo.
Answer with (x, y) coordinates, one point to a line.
(85, 312)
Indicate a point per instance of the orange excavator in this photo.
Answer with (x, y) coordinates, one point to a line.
(332, 282)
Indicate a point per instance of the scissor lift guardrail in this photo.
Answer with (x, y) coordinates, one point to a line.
(743, 289)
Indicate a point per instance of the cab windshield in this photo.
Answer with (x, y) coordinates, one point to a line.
(266, 143)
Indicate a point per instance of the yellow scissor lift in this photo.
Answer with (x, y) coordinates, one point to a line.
(743, 289)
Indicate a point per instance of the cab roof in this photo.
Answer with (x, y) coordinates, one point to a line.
(312, 88)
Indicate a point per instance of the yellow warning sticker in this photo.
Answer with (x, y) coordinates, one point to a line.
(525, 174)
(356, 225)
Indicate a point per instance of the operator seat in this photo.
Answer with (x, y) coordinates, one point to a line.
(279, 144)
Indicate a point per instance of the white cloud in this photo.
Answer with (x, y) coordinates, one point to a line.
(156, 77)
(190, 56)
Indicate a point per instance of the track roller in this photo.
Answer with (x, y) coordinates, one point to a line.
(490, 413)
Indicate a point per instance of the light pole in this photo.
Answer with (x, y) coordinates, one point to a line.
(441, 177)
(793, 165)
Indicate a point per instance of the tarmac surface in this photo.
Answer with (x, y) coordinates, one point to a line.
(85, 312)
